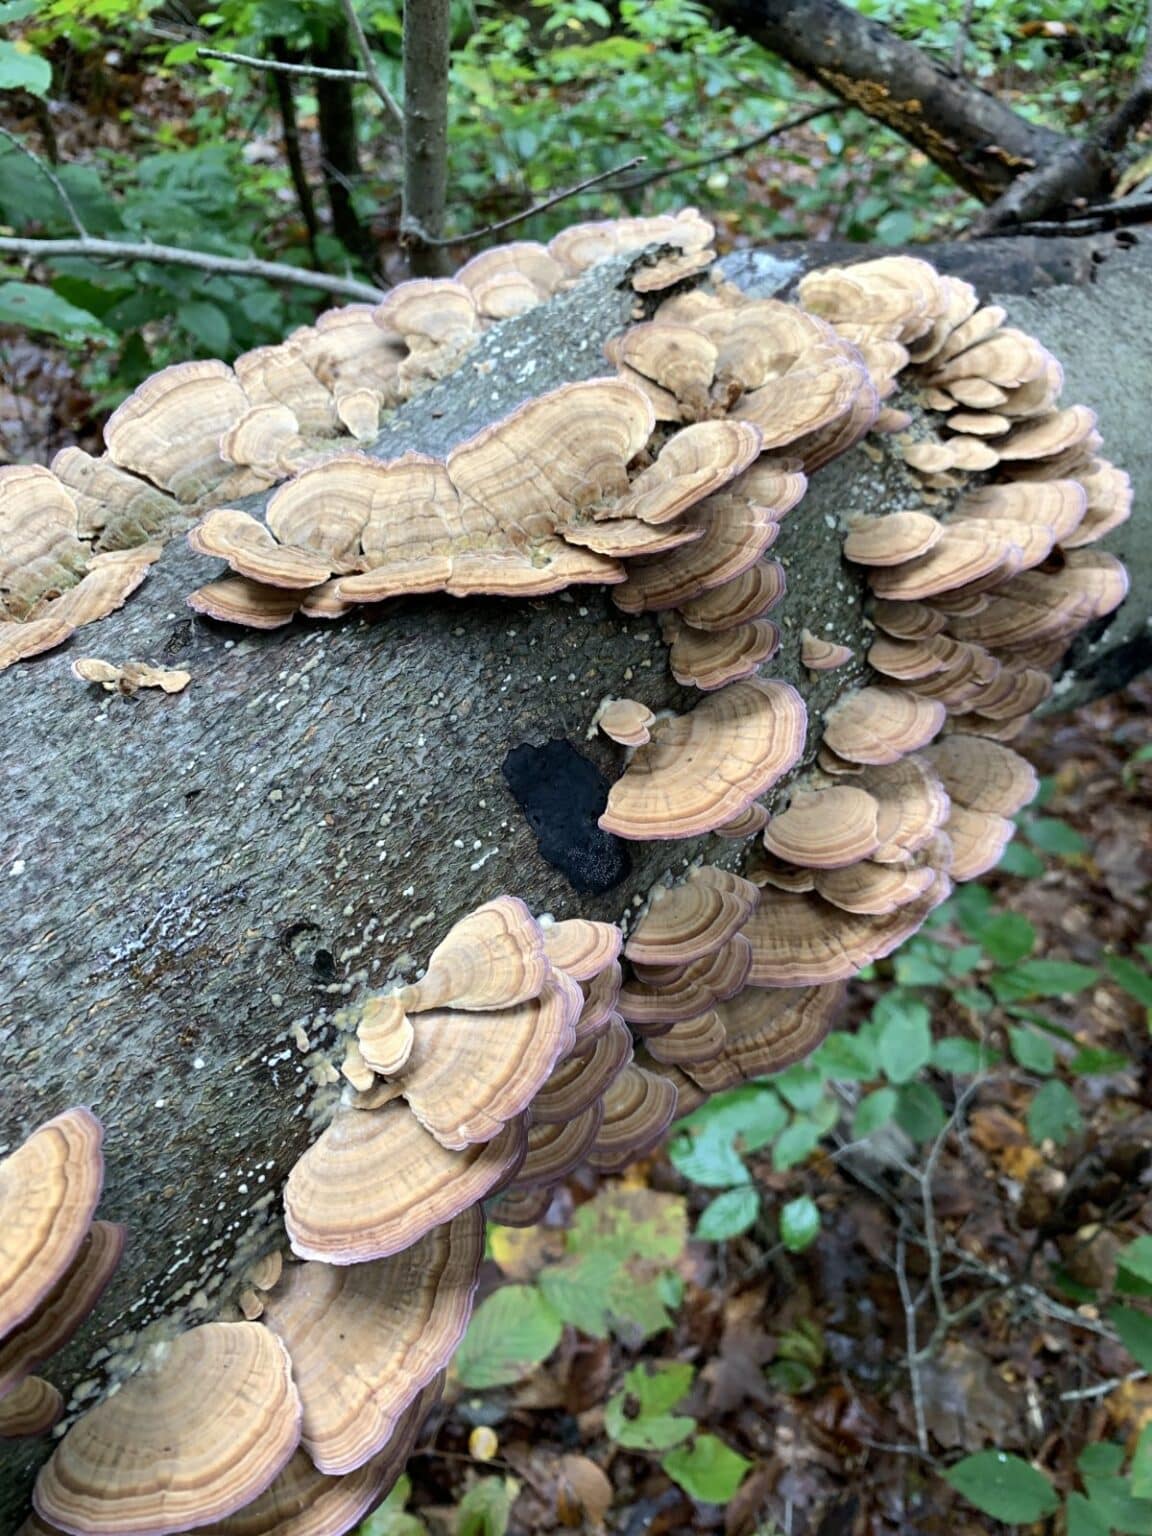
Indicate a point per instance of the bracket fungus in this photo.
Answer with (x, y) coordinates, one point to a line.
(529, 1045)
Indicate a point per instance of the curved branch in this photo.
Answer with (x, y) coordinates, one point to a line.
(204, 261)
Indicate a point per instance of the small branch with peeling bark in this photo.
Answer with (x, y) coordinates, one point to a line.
(177, 256)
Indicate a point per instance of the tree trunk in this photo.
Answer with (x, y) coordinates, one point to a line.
(195, 884)
(336, 110)
(427, 30)
(978, 141)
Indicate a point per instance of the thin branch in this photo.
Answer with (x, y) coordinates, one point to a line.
(1133, 112)
(374, 77)
(911, 1343)
(281, 66)
(633, 183)
(177, 256)
(50, 176)
(1102, 1388)
(410, 227)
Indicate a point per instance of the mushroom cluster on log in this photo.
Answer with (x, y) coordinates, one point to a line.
(529, 1045)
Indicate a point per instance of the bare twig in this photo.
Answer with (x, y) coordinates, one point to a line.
(928, 1204)
(1102, 1388)
(518, 218)
(178, 256)
(51, 177)
(912, 1342)
(633, 183)
(391, 106)
(281, 66)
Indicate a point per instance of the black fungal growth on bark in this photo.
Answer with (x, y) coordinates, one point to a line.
(562, 795)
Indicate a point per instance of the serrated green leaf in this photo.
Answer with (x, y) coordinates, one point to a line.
(905, 1043)
(1135, 1330)
(509, 1335)
(919, 1111)
(1003, 1486)
(1006, 937)
(961, 1056)
(23, 69)
(846, 1058)
(1053, 1114)
(707, 1470)
(729, 1214)
(640, 1418)
(796, 1142)
(799, 1224)
(578, 1289)
(874, 1111)
(1031, 1050)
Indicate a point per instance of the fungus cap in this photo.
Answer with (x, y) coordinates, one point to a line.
(30, 1408)
(375, 1181)
(366, 1339)
(702, 769)
(685, 922)
(581, 947)
(825, 828)
(581, 1078)
(765, 1031)
(638, 1108)
(626, 721)
(821, 655)
(470, 1073)
(492, 958)
(199, 1432)
(881, 725)
(49, 1187)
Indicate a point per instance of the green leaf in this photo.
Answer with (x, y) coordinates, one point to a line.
(920, 1112)
(639, 1417)
(796, 1142)
(1136, 1258)
(1084, 1519)
(1093, 1062)
(643, 1231)
(1135, 979)
(802, 1086)
(1005, 1487)
(1053, 836)
(707, 1148)
(1053, 1114)
(39, 309)
(1140, 1473)
(1021, 861)
(1006, 937)
(510, 1334)
(728, 1214)
(846, 1058)
(391, 1519)
(872, 1112)
(22, 69)
(707, 1470)
(578, 1288)
(484, 1509)
(1032, 1051)
(962, 1056)
(918, 969)
(1135, 1330)
(1103, 1459)
(207, 325)
(1113, 1499)
(905, 1043)
(1041, 978)
(799, 1224)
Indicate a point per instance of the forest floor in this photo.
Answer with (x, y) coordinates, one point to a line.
(854, 1439)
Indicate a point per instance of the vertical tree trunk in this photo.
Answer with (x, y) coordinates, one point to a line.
(286, 105)
(426, 43)
(335, 104)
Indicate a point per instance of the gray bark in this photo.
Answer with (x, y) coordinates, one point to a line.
(427, 31)
(194, 885)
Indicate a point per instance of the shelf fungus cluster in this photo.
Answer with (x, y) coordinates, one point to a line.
(529, 1046)
(55, 1260)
